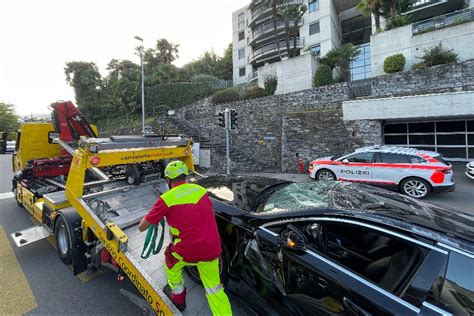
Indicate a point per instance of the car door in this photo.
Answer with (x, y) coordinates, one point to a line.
(356, 167)
(320, 278)
(389, 168)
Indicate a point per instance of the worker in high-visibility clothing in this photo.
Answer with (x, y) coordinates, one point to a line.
(188, 211)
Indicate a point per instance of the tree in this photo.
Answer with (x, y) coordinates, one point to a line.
(274, 4)
(8, 119)
(369, 7)
(209, 63)
(166, 73)
(87, 82)
(340, 57)
(291, 16)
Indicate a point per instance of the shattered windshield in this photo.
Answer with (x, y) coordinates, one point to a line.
(297, 196)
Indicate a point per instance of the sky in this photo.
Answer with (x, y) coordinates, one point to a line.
(37, 38)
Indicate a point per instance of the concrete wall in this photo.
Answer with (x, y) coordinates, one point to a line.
(293, 74)
(400, 40)
(430, 106)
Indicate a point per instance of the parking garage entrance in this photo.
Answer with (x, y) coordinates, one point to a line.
(452, 138)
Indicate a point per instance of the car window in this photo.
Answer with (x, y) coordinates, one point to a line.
(456, 293)
(380, 258)
(361, 157)
(296, 196)
(389, 158)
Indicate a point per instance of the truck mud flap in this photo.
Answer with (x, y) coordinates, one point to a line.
(31, 235)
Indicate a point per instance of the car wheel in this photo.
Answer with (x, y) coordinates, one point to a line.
(415, 187)
(325, 175)
(193, 273)
(63, 241)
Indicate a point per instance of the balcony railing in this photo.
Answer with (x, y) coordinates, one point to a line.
(253, 76)
(262, 9)
(442, 21)
(268, 28)
(273, 48)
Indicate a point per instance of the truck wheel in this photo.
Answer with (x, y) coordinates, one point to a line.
(193, 272)
(63, 240)
(325, 175)
(19, 203)
(415, 187)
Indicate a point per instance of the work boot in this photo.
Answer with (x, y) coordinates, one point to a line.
(179, 300)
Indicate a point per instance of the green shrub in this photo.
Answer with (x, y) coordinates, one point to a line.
(226, 95)
(420, 65)
(254, 92)
(438, 55)
(270, 83)
(323, 76)
(394, 63)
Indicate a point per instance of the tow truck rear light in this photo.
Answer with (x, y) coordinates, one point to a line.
(95, 161)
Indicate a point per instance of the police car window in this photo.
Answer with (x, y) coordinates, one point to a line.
(361, 157)
(389, 158)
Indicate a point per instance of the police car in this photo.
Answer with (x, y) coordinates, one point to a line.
(413, 172)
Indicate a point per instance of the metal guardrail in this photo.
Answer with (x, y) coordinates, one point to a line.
(274, 47)
(262, 9)
(442, 21)
(268, 27)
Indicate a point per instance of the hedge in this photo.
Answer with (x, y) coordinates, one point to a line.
(175, 95)
(394, 63)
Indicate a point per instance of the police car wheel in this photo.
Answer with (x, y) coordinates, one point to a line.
(415, 187)
(325, 175)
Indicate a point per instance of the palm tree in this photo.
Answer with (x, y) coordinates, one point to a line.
(369, 7)
(292, 14)
(273, 4)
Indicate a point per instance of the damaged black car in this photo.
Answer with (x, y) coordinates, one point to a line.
(333, 248)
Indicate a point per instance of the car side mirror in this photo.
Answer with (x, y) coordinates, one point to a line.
(293, 239)
(345, 160)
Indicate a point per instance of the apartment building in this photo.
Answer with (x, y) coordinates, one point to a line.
(326, 24)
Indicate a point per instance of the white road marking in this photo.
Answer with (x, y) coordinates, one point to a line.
(6, 195)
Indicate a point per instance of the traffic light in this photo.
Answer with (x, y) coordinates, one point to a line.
(233, 119)
(222, 119)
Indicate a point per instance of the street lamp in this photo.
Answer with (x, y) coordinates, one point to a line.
(143, 83)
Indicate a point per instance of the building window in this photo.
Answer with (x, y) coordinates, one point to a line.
(360, 67)
(314, 28)
(356, 30)
(241, 35)
(313, 5)
(242, 53)
(315, 50)
(242, 72)
(241, 21)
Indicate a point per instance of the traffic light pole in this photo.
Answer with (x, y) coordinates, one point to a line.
(228, 120)
(227, 140)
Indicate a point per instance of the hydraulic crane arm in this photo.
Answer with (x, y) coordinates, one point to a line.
(69, 123)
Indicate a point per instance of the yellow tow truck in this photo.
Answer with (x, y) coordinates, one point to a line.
(93, 208)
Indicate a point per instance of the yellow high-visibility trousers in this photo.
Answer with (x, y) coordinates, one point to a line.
(209, 273)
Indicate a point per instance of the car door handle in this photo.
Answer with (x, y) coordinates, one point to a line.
(353, 308)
